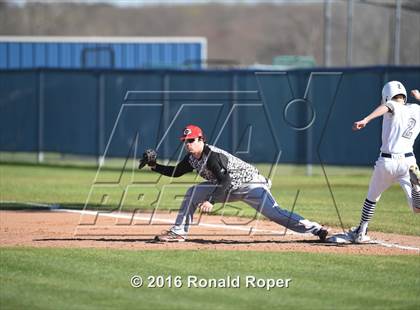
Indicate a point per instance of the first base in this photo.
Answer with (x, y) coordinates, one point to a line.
(339, 238)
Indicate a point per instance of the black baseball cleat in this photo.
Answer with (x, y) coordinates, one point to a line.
(322, 234)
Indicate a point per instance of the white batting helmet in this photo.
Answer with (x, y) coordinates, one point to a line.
(392, 89)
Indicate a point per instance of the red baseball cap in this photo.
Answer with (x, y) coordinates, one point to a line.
(191, 132)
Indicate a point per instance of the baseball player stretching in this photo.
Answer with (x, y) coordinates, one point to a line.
(396, 162)
(228, 179)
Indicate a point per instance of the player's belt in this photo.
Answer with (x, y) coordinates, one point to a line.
(390, 155)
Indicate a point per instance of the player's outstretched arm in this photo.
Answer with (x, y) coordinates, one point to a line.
(379, 111)
(416, 94)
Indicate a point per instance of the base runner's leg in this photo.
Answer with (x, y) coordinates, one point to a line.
(416, 200)
(412, 195)
(410, 183)
(381, 179)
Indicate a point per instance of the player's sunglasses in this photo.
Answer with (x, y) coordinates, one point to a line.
(188, 141)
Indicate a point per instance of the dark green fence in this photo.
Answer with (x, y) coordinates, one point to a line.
(299, 116)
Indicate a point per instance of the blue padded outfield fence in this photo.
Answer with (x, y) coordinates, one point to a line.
(298, 116)
(20, 52)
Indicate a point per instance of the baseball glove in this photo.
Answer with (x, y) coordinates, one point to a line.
(149, 158)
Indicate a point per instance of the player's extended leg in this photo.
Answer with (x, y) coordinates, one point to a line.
(263, 201)
(412, 195)
(381, 179)
(414, 189)
(193, 197)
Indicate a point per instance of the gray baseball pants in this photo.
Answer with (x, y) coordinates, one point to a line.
(257, 196)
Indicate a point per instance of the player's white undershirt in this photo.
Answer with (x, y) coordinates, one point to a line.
(400, 127)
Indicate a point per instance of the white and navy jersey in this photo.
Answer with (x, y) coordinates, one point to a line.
(400, 127)
(215, 165)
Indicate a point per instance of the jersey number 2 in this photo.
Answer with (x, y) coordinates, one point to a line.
(409, 131)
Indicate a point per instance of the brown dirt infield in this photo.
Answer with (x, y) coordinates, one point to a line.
(61, 229)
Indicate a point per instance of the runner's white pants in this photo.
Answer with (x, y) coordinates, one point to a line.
(389, 171)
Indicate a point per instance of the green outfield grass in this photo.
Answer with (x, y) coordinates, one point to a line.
(92, 279)
(69, 186)
(42, 278)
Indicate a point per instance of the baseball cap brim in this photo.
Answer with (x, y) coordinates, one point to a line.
(190, 136)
